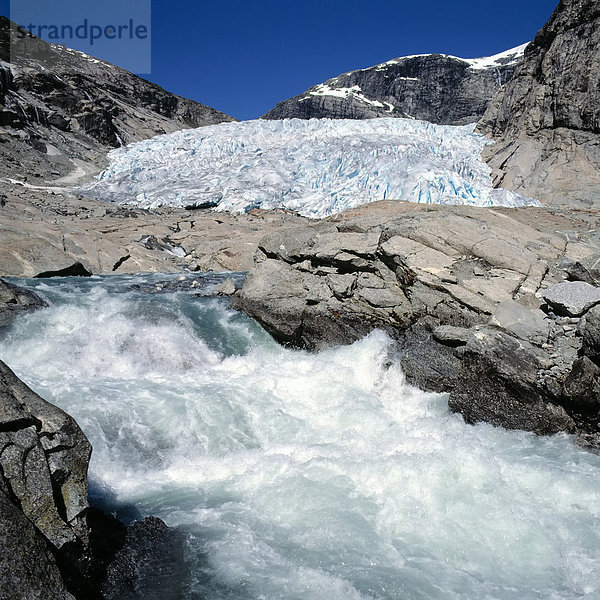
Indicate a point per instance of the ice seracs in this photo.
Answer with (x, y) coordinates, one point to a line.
(315, 167)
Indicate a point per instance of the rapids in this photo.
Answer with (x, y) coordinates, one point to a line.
(297, 475)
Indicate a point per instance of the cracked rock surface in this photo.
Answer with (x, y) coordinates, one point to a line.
(51, 232)
(546, 119)
(461, 289)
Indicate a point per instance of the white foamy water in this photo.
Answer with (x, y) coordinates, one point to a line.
(299, 475)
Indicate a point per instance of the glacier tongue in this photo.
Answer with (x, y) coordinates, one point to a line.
(317, 167)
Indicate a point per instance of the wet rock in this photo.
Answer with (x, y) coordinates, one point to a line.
(43, 458)
(27, 567)
(427, 364)
(582, 387)
(572, 298)
(14, 300)
(498, 384)
(149, 566)
(52, 545)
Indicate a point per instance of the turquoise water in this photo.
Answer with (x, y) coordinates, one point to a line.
(299, 475)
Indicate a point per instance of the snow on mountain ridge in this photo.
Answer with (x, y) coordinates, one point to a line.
(511, 56)
(315, 167)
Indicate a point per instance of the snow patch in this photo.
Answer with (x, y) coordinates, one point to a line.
(508, 57)
(315, 167)
(342, 92)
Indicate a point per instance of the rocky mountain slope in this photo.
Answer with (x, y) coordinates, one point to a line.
(547, 119)
(61, 110)
(434, 87)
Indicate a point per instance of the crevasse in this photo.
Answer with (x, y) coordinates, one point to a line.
(317, 167)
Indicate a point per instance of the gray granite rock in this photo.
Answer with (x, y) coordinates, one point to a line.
(27, 567)
(150, 565)
(498, 384)
(44, 457)
(524, 323)
(433, 87)
(14, 300)
(572, 298)
(546, 119)
(452, 336)
(227, 288)
(582, 387)
(433, 278)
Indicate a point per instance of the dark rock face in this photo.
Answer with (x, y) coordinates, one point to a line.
(547, 118)
(52, 544)
(149, 566)
(498, 383)
(14, 300)
(27, 567)
(64, 110)
(459, 289)
(437, 88)
(43, 471)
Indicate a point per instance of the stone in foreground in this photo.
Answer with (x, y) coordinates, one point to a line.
(572, 298)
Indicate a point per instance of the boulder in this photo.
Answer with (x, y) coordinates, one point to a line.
(524, 323)
(591, 335)
(498, 384)
(572, 298)
(227, 288)
(14, 300)
(44, 457)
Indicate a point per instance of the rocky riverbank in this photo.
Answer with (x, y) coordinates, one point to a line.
(52, 232)
(491, 305)
(54, 545)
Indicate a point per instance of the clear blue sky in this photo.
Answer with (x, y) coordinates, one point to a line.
(243, 57)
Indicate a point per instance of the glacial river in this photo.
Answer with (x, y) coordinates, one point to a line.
(296, 475)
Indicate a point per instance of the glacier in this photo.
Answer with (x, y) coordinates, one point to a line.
(314, 167)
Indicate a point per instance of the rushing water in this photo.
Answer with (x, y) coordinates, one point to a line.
(303, 476)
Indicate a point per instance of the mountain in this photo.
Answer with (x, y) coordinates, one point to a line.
(62, 110)
(547, 119)
(434, 87)
(314, 167)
